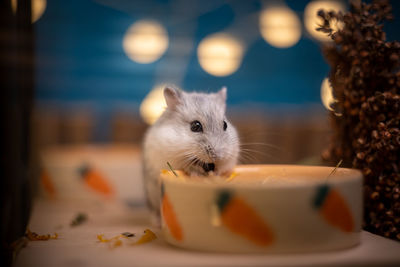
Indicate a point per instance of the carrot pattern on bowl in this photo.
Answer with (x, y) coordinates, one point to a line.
(240, 218)
(333, 208)
(169, 216)
(96, 181)
(47, 184)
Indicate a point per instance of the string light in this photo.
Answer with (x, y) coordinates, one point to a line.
(280, 27)
(145, 41)
(220, 54)
(38, 8)
(153, 105)
(311, 20)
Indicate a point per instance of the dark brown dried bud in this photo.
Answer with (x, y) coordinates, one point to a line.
(370, 159)
(394, 57)
(375, 195)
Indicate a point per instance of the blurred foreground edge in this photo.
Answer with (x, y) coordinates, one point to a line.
(16, 83)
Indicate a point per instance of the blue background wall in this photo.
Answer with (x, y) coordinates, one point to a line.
(80, 58)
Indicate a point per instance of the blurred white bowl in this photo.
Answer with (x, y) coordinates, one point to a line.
(93, 171)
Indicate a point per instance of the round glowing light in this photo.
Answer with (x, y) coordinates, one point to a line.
(153, 105)
(220, 54)
(280, 27)
(145, 41)
(312, 21)
(38, 8)
(327, 95)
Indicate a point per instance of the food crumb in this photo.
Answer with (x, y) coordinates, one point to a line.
(230, 178)
(115, 241)
(32, 236)
(128, 234)
(102, 239)
(147, 237)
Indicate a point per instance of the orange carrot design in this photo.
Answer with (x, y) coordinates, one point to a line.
(243, 220)
(334, 209)
(96, 181)
(47, 184)
(170, 218)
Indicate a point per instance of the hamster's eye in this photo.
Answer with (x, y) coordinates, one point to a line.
(196, 126)
(225, 125)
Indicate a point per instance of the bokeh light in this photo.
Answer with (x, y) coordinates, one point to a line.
(145, 41)
(327, 95)
(280, 26)
(153, 105)
(312, 21)
(38, 8)
(220, 54)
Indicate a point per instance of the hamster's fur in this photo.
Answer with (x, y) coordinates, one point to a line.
(177, 138)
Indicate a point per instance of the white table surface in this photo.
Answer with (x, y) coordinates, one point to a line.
(78, 246)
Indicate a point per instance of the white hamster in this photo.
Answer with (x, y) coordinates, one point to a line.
(193, 135)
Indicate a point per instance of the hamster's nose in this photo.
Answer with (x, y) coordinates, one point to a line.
(207, 167)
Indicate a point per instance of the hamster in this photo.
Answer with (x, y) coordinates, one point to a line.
(193, 135)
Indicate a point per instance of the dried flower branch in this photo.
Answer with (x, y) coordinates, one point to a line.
(365, 76)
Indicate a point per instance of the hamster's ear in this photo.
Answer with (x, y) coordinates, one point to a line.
(172, 97)
(222, 94)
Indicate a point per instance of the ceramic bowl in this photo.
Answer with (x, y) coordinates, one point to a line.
(263, 209)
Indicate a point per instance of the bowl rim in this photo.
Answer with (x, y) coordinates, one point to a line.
(353, 175)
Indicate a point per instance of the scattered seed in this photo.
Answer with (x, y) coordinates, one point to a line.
(128, 234)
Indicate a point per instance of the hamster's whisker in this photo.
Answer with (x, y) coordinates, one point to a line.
(230, 155)
(249, 159)
(189, 159)
(251, 154)
(261, 144)
(248, 150)
(191, 162)
(246, 159)
(250, 133)
(247, 156)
